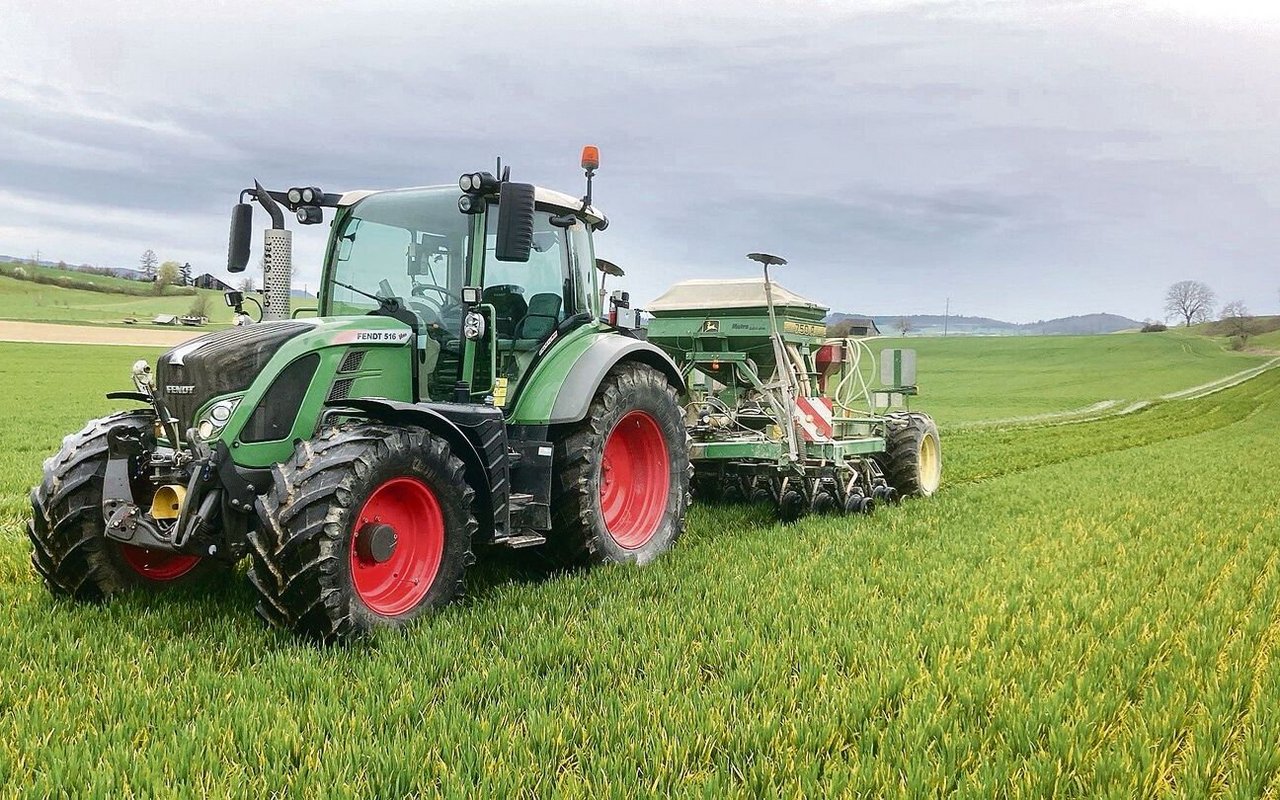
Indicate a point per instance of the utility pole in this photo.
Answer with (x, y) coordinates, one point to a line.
(946, 317)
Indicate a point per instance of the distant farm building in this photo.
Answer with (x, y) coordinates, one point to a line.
(853, 326)
(207, 281)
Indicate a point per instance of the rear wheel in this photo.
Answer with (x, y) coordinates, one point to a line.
(365, 527)
(621, 489)
(912, 461)
(69, 547)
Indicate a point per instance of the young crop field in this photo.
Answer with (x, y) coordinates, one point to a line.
(1267, 341)
(1085, 610)
(973, 379)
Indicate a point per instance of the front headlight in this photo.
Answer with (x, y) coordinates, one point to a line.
(215, 419)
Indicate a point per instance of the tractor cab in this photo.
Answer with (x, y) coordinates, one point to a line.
(480, 314)
(484, 280)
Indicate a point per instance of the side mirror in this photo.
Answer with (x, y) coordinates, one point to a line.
(515, 222)
(234, 298)
(238, 248)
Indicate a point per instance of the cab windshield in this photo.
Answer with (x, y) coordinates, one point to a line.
(410, 244)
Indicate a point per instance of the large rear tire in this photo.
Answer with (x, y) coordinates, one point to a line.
(621, 488)
(365, 527)
(912, 461)
(69, 547)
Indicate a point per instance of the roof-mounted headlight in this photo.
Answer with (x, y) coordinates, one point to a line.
(478, 183)
(471, 204)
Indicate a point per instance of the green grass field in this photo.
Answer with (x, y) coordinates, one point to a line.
(37, 302)
(971, 379)
(1085, 610)
(26, 300)
(1267, 341)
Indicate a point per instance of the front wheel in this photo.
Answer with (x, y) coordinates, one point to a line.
(621, 489)
(69, 546)
(365, 527)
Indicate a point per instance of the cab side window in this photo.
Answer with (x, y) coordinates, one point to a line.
(529, 298)
(582, 261)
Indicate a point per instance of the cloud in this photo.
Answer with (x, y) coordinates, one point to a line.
(1027, 160)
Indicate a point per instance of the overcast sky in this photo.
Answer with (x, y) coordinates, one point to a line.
(1026, 159)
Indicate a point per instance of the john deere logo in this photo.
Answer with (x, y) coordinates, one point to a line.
(711, 326)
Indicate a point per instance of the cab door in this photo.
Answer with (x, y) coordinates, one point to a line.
(528, 301)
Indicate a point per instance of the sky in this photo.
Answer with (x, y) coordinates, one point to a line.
(1025, 159)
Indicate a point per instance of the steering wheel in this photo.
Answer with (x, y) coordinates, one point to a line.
(433, 310)
(430, 314)
(419, 288)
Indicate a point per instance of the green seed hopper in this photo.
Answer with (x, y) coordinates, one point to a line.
(730, 318)
(777, 411)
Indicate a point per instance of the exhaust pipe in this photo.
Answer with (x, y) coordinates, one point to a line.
(277, 259)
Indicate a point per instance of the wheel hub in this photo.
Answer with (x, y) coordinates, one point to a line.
(396, 546)
(376, 542)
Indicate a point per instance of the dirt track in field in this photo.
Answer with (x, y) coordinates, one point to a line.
(14, 331)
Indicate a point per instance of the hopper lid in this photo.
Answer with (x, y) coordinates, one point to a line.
(703, 294)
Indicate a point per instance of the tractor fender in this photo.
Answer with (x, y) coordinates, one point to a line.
(588, 372)
(397, 412)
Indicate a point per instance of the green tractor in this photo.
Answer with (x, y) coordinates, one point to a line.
(461, 387)
(467, 383)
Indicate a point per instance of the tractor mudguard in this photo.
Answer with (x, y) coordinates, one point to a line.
(476, 434)
(579, 385)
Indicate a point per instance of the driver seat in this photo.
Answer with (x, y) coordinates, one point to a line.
(509, 307)
(542, 317)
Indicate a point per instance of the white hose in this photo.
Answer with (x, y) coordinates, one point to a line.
(853, 387)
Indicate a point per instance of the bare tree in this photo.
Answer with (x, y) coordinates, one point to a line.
(148, 261)
(1191, 301)
(246, 284)
(1238, 322)
(904, 325)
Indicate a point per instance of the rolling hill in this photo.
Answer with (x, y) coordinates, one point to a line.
(927, 324)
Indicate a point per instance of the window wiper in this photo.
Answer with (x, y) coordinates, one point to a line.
(388, 303)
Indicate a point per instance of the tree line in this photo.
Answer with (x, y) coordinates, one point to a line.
(1194, 302)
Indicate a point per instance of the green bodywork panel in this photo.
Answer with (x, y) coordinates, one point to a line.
(384, 372)
(537, 395)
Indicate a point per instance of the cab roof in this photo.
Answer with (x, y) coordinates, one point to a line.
(542, 196)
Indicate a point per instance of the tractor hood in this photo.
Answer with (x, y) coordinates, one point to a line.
(219, 363)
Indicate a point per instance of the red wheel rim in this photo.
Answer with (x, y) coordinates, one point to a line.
(157, 565)
(397, 585)
(634, 480)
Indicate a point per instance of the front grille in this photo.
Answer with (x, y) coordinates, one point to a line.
(219, 363)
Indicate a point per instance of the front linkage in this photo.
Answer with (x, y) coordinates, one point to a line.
(129, 501)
